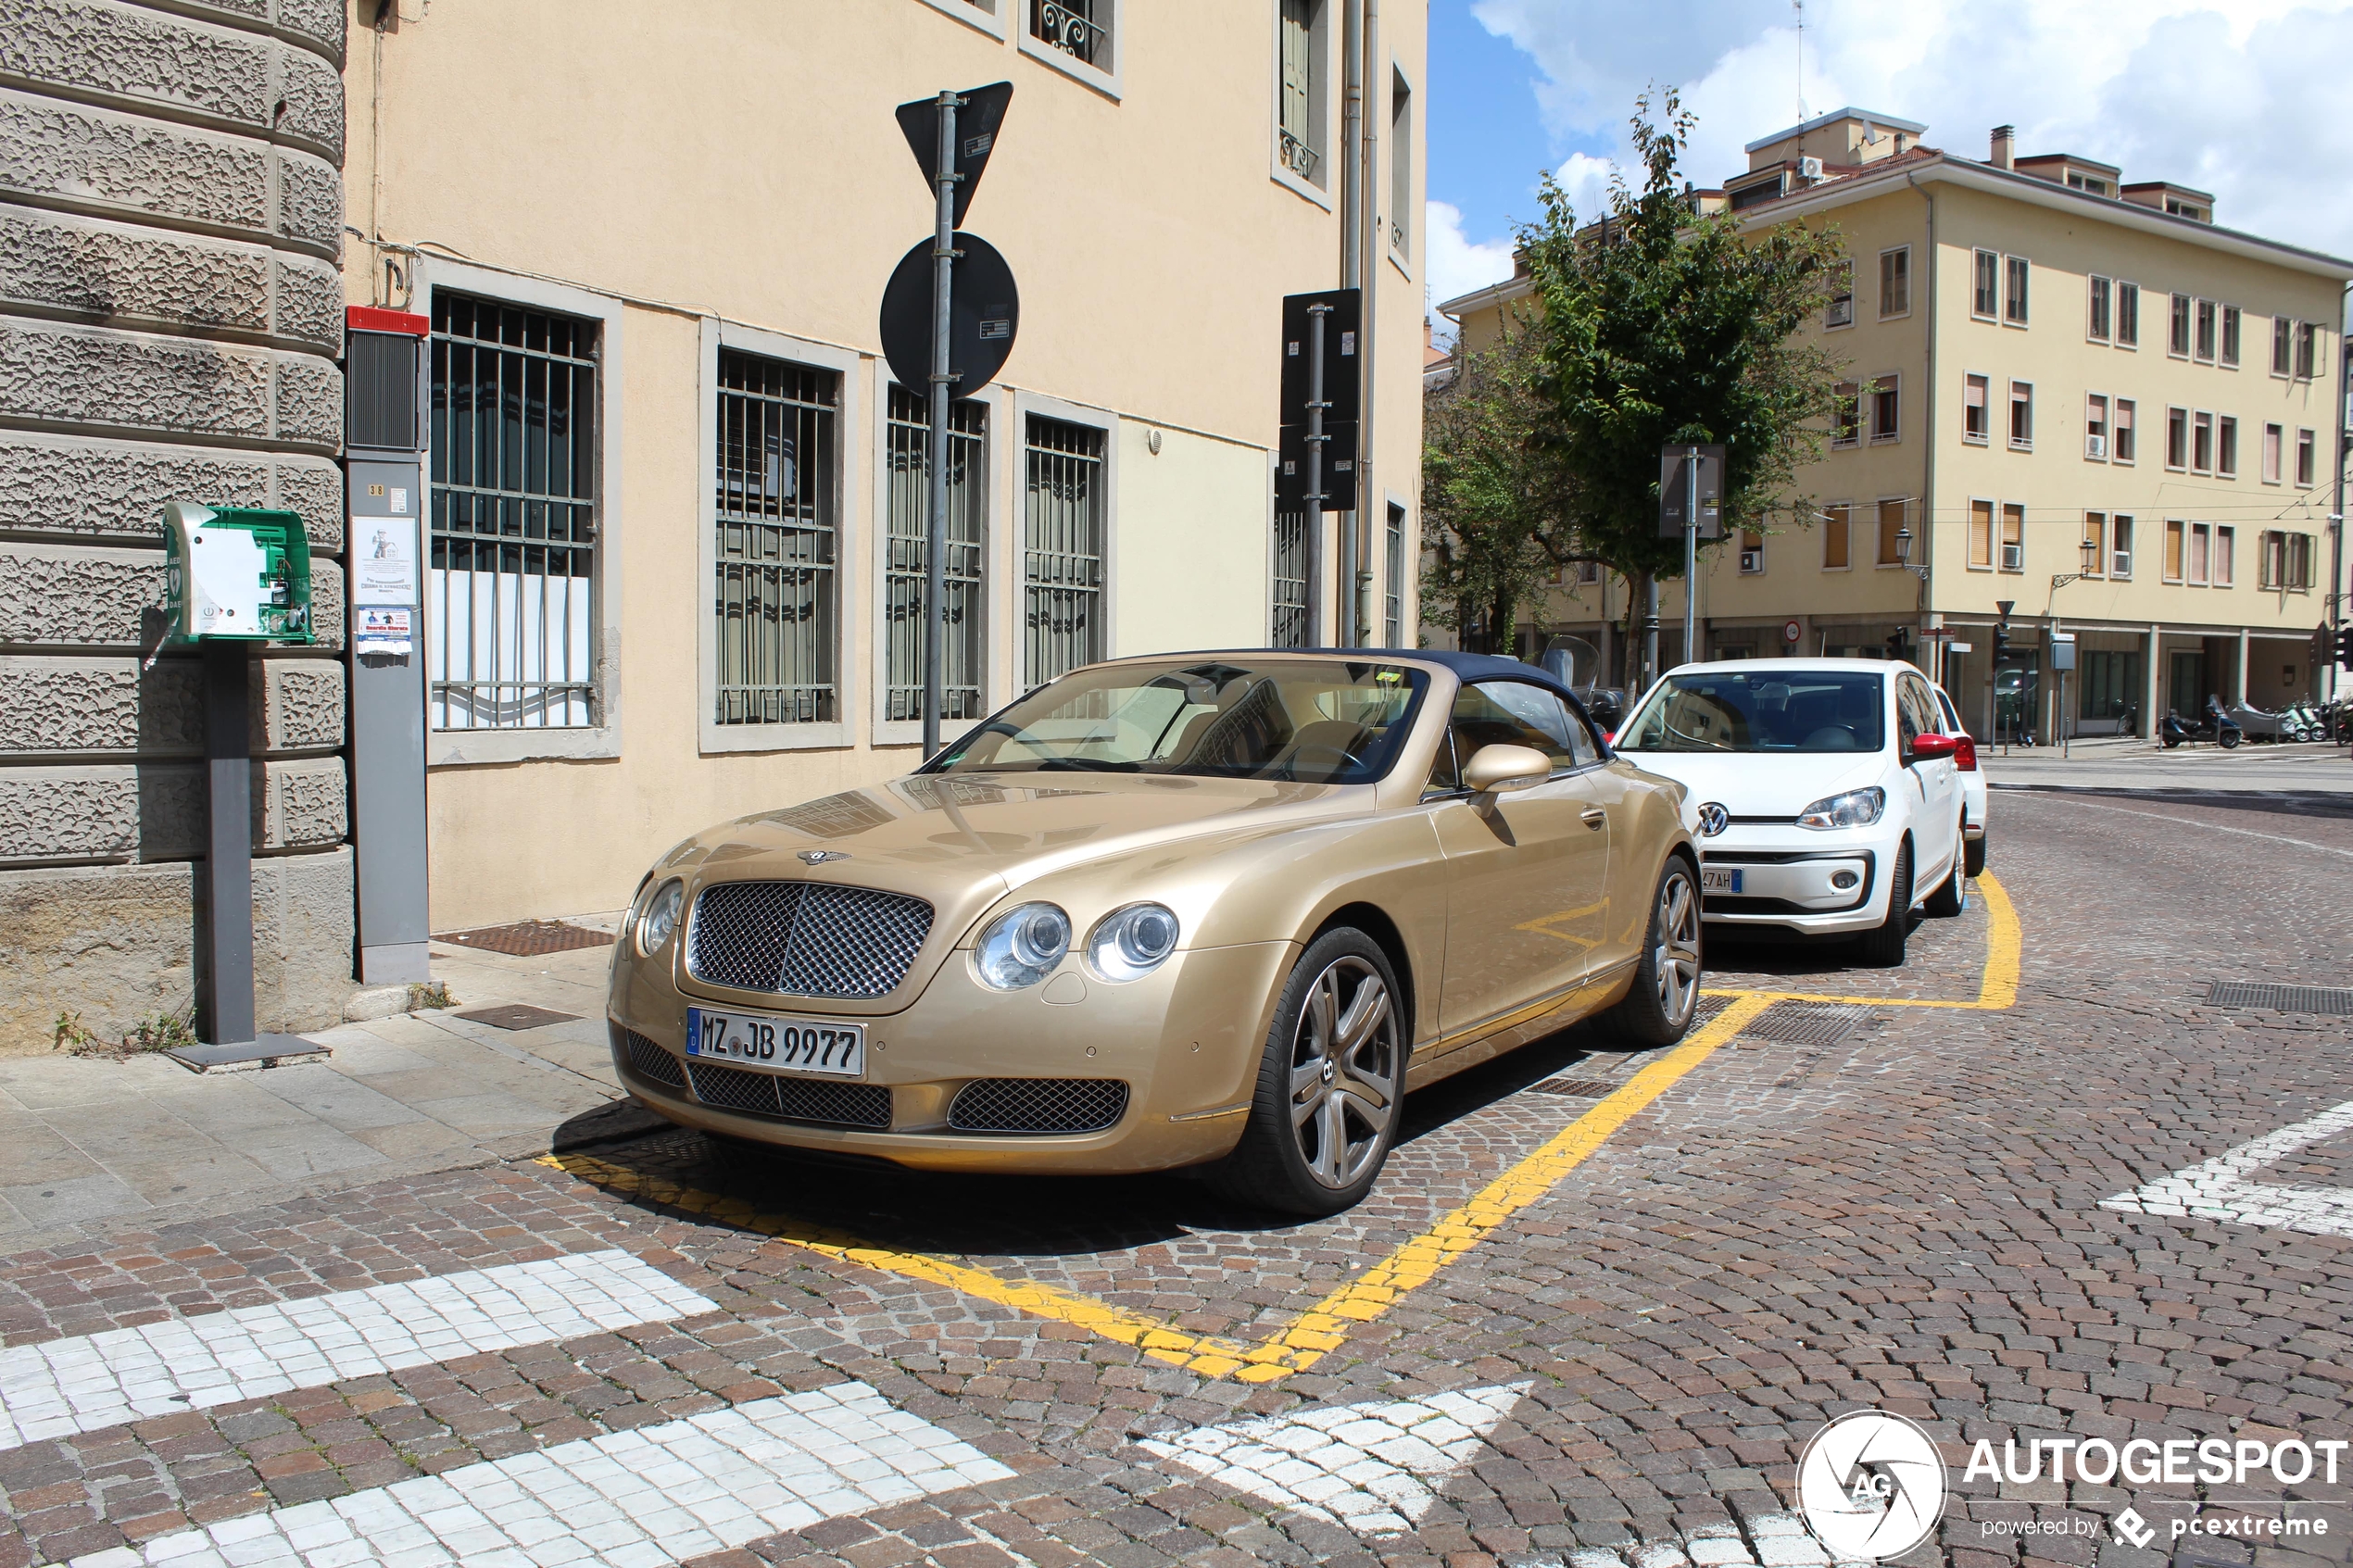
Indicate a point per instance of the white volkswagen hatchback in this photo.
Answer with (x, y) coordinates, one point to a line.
(1823, 792)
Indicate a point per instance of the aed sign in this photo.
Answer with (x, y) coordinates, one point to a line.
(238, 573)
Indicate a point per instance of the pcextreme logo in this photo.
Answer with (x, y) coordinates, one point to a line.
(1871, 1486)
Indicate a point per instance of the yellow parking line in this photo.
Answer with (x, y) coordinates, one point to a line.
(1996, 990)
(1323, 1327)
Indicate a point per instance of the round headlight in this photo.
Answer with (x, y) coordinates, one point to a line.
(1022, 947)
(660, 917)
(1132, 942)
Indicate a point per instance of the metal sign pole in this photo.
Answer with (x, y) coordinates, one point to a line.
(1314, 524)
(228, 865)
(943, 380)
(1691, 555)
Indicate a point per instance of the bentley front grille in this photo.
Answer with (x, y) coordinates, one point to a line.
(647, 1059)
(1038, 1105)
(804, 938)
(791, 1100)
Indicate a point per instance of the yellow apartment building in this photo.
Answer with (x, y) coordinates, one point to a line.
(677, 514)
(2067, 391)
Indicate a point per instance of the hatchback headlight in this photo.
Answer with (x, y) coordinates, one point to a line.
(1127, 944)
(1023, 945)
(1856, 808)
(660, 918)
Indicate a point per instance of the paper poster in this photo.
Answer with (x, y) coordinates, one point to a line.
(383, 560)
(384, 631)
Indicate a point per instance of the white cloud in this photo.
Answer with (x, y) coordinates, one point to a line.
(2234, 97)
(1457, 266)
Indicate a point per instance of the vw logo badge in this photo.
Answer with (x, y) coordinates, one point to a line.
(821, 857)
(1714, 819)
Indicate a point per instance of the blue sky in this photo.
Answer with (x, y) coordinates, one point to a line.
(2241, 98)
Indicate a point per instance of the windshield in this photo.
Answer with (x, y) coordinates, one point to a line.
(1771, 711)
(1300, 720)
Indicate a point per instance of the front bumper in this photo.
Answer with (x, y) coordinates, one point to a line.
(1789, 878)
(1186, 1040)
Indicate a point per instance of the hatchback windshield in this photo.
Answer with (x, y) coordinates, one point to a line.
(1303, 721)
(1769, 711)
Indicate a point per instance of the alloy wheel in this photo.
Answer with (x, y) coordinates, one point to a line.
(1676, 958)
(1344, 1069)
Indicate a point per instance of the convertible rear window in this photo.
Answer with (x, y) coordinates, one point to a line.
(1303, 721)
(1771, 710)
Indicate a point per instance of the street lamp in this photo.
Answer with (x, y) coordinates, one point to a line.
(2091, 549)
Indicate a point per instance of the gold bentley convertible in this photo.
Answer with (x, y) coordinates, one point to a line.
(1216, 909)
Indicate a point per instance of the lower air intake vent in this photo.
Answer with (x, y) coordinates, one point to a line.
(647, 1059)
(791, 1100)
(1038, 1105)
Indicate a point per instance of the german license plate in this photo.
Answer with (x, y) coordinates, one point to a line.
(1719, 879)
(800, 1046)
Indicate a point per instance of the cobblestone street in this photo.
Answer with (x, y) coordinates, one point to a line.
(1595, 1308)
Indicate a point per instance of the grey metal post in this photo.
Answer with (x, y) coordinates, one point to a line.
(1691, 555)
(943, 266)
(1649, 630)
(228, 752)
(1315, 439)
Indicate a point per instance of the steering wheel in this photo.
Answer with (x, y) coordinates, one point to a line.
(1342, 758)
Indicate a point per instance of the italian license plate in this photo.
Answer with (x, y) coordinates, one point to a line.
(1719, 879)
(800, 1046)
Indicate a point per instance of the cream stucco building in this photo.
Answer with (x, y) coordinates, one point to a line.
(2052, 374)
(676, 525)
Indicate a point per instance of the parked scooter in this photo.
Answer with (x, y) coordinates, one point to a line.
(2259, 725)
(2306, 721)
(2214, 724)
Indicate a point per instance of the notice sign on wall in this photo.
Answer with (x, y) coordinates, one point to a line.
(383, 560)
(390, 633)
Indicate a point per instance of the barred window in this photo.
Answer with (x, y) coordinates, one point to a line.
(779, 522)
(906, 584)
(1394, 598)
(1062, 550)
(1288, 582)
(513, 567)
(1080, 29)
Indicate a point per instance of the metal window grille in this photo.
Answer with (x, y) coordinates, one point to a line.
(1063, 549)
(513, 589)
(905, 587)
(777, 520)
(1289, 618)
(1295, 130)
(1078, 27)
(1393, 600)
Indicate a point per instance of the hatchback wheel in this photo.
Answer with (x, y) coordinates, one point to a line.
(1659, 1006)
(1951, 897)
(1883, 946)
(1331, 1083)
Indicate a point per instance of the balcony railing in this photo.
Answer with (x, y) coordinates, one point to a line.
(1297, 156)
(1068, 27)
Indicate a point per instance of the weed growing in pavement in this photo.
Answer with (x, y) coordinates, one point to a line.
(430, 994)
(164, 1032)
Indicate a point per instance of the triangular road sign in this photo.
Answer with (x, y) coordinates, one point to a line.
(976, 125)
(1375, 1468)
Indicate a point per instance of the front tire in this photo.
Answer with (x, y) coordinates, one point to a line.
(1331, 1084)
(1883, 948)
(1658, 1008)
(2230, 739)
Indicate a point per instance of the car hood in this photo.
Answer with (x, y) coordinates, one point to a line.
(1754, 783)
(963, 841)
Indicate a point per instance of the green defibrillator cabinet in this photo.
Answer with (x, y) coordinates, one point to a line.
(242, 574)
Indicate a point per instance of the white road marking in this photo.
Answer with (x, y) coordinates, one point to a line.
(652, 1496)
(1372, 1467)
(61, 1386)
(2195, 822)
(2220, 1190)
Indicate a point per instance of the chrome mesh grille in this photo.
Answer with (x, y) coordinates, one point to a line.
(805, 938)
(645, 1059)
(1038, 1105)
(790, 1099)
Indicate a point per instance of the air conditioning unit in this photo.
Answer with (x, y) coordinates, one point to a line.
(1751, 561)
(1809, 169)
(2095, 447)
(2013, 558)
(1840, 313)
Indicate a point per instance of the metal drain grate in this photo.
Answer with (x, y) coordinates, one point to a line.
(1577, 1088)
(1803, 1024)
(529, 939)
(2279, 999)
(1708, 1008)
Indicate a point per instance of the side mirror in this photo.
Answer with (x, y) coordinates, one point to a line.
(1499, 770)
(1929, 748)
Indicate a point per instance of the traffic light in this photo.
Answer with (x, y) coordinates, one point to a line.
(1899, 644)
(2345, 644)
(2001, 642)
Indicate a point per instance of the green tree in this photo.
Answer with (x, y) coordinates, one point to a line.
(1495, 494)
(1660, 325)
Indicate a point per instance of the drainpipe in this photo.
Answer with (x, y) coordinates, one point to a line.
(1369, 505)
(1341, 625)
(1928, 481)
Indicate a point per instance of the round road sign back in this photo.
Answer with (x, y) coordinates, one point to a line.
(984, 313)
(1792, 631)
